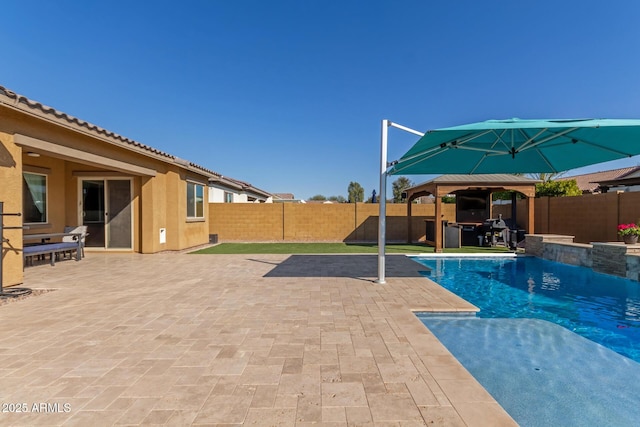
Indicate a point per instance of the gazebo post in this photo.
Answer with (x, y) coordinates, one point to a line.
(438, 222)
(409, 222)
(530, 215)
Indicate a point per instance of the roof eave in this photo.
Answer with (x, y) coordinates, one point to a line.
(24, 105)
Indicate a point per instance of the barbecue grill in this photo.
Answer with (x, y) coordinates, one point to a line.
(494, 231)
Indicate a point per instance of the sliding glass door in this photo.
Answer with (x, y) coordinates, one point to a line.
(106, 211)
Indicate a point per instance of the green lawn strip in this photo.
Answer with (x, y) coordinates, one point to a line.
(329, 248)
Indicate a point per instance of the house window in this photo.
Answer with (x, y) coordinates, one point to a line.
(195, 200)
(34, 198)
(228, 197)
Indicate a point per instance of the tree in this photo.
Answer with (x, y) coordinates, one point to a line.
(356, 192)
(449, 198)
(319, 197)
(399, 186)
(545, 177)
(505, 195)
(558, 188)
(337, 199)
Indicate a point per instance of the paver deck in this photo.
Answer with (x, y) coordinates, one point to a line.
(177, 339)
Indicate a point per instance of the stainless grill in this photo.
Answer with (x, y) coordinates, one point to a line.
(495, 231)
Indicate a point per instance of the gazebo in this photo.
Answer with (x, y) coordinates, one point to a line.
(474, 188)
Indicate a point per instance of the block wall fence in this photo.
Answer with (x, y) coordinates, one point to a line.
(345, 222)
(590, 218)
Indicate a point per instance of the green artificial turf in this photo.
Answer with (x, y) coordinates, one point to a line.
(330, 248)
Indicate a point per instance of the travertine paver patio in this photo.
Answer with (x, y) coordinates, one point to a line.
(177, 339)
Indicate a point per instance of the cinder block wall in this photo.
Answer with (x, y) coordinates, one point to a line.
(247, 221)
(541, 215)
(629, 207)
(590, 218)
(317, 222)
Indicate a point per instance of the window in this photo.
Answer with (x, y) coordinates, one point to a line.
(228, 197)
(34, 198)
(195, 200)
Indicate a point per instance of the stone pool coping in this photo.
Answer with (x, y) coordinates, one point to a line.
(614, 258)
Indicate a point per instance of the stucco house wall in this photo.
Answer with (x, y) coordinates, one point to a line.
(10, 186)
(217, 195)
(38, 139)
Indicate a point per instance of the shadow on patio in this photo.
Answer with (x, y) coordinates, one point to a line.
(356, 266)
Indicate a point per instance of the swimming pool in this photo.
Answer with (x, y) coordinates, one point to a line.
(600, 307)
(543, 342)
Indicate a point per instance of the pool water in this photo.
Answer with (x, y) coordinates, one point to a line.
(550, 340)
(602, 308)
(542, 374)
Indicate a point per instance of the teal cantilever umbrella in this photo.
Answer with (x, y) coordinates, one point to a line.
(520, 146)
(513, 146)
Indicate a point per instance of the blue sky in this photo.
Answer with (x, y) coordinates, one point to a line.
(289, 95)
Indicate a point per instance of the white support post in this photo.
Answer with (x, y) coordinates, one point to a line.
(382, 219)
(382, 222)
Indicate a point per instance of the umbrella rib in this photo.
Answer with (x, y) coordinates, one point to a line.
(415, 160)
(564, 133)
(491, 152)
(546, 161)
(530, 139)
(499, 139)
(602, 147)
(433, 151)
(472, 137)
(532, 143)
(448, 144)
(420, 154)
(484, 150)
(477, 165)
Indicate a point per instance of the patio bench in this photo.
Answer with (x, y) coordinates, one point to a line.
(51, 249)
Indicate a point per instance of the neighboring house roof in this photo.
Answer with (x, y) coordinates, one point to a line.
(591, 182)
(21, 103)
(284, 196)
(627, 180)
(239, 185)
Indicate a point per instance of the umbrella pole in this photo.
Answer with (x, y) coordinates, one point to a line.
(382, 219)
(382, 216)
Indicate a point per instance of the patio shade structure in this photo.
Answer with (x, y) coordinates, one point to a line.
(508, 146)
(459, 184)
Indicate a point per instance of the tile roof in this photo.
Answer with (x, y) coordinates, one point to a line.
(498, 178)
(24, 104)
(240, 185)
(590, 182)
(284, 196)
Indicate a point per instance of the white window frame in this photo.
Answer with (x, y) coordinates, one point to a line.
(194, 208)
